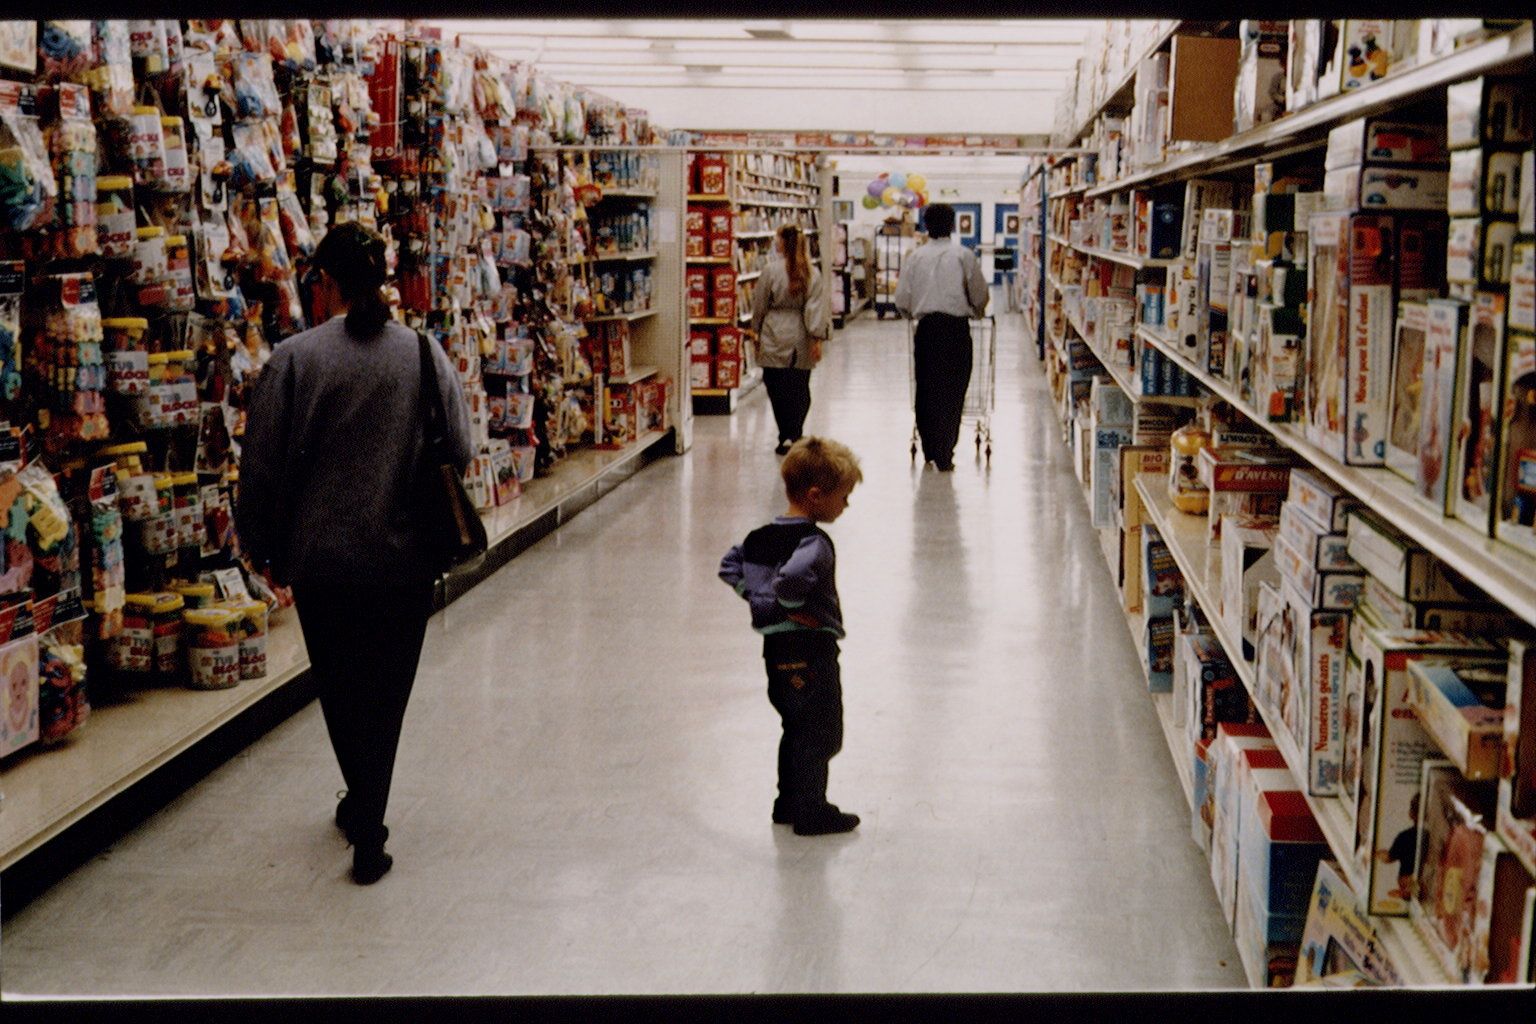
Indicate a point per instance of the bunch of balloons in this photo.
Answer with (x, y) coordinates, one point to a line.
(909, 191)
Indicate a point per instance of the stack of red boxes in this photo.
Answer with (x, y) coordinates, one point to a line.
(700, 358)
(722, 292)
(720, 245)
(698, 292)
(696, 226)
(728, 357)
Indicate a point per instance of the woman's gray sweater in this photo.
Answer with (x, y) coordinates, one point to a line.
(332, 451)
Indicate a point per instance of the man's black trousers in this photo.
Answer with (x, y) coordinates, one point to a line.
(941, 366)
(805, 688)
(364, 645)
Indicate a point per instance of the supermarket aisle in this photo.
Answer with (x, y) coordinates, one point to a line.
(583, 794)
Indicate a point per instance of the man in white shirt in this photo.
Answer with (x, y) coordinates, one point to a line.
(941, 288)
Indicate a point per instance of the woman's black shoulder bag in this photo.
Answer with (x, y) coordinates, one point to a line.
(452, 530)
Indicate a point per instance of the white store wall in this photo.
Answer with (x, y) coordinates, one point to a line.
(984, 179)
(854, 110)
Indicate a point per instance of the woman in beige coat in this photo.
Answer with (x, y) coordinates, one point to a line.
(790, 320)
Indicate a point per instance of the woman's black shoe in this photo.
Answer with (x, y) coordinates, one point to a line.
(833, 822)
(368, 866)
(344, 813)
(783, 448)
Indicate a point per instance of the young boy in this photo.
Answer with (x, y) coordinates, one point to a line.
(786, 571)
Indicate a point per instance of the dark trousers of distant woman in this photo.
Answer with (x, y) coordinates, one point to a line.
(942, 370)
(364, 645)
(789, 392)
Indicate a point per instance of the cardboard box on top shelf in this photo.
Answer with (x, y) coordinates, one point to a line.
(1462, 709)
(1405, 568)
(1479, 255)
(1279, 848)
(1261, 75)
(1202, 77)
(1403, 401)
(1517, 775)
(1357, 187)
(1324, 548)
(1522, 287)
(1370, 302)
(1303, 48)
(1339, 936)
(1107, 442)
(1230, 736)
(1247, 560)
(1488, 111)
(1526, 218)
(1213, 694)
(1386, 140)
(1504, 919)
(1327, 357)
(1268, 944)
(1364, 53)
(1310, 648)
(1480, 618)
(1393, 744)
(1515, 522)
(1134, 461)
(1447, 868)
(1242, 481)
(1331, 590)
(1443, 341)
(1484, 183)
(1239, 772)
(1479, 395)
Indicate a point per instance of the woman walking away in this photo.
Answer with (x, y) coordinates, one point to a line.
(790, 319)
(941, 288)
(332, 460)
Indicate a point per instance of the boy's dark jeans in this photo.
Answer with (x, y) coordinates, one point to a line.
(805, 688)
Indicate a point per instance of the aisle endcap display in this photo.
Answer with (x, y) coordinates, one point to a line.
(1370, 350)
(1505, 52)
(171, 186)
(735, 210)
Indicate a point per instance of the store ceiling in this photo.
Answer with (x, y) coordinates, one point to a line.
(783, 75)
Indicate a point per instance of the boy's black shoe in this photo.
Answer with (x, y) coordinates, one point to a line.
(370, 865)
(781, 815)
(832, 822)
(783, 448)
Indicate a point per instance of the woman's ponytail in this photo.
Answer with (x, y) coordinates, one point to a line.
(354, 256)
(796, 258)
(367, 313)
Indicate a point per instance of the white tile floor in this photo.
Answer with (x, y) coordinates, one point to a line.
(581, 803)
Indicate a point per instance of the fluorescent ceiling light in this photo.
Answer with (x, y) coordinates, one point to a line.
(922, 32)
(872, 64)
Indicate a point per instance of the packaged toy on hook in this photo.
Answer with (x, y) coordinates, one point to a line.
(27, 185)
(13, 282)
(151, 53)
(72, 143)
(254, 92)
(64, 49)
(111, 77)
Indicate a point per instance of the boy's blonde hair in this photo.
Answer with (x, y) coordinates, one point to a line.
(819, 462)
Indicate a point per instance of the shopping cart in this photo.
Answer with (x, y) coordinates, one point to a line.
(980, 393)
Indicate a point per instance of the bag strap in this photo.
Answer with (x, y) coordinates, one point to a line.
(432, 416)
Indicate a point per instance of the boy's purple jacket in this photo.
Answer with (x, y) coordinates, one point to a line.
(788, 566)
